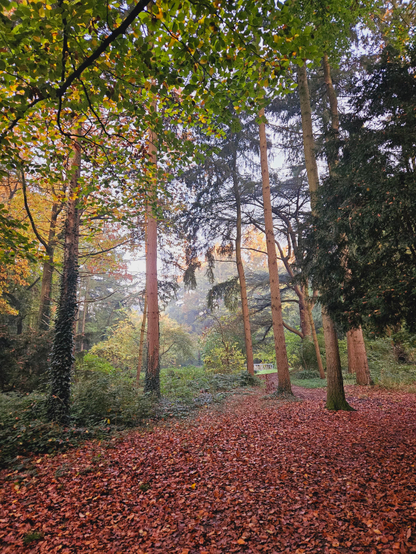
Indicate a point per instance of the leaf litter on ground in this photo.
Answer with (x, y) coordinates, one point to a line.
(258, 475)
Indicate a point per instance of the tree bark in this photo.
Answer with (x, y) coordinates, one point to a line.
(305, 321)
(284, 385)
(242, 278)
(335, 399)
(141, 343)
(84, 314)
(362, 371)
(357, 355)
(62, 357)
(152, 380)
(335, 388)
(316, 344)
(47, 274)
(350, 353)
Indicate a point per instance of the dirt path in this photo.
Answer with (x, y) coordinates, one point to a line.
(255, 475)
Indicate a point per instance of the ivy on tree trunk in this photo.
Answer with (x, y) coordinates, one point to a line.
(62, 358)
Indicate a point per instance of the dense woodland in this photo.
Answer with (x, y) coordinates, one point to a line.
(189, 189)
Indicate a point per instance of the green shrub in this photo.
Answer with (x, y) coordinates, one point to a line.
(385, 369)
(24, 360)
(99, 397)
(224, 359)
(301, 353)
(90, 362)
(101, 402)
(306, 374)
(24, 429)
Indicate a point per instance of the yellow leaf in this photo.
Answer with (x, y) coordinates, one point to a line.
(193, 486)
(241, 541)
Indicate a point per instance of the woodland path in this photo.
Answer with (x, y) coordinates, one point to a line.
(254, 474)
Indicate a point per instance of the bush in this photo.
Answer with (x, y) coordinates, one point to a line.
(224, 359)
(186, 384)
(98, 397)
(24, 429)
(301, 353)
(101, 402)
(90, 362)
(24, 360)
(385, 369)
(306, 374)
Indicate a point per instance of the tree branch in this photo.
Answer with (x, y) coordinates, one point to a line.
(293, 330)
(40, 239)
(60, 92)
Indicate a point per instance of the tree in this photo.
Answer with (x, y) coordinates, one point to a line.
(219, 186)
(335, 390)
(357, 355)
(152, 382)
(62, 357)
(278, 330)
(367, 208)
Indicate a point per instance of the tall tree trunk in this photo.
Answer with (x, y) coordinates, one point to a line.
(284, 385)
(141, 343)
(47, 274)
(84, 314)
(242, 278)
(305, 321)
(335, 389)
(350, 353)
(62, 357)
(362, 371)
(357, 355)
(335, 399)
(152, 381)
(316, 344)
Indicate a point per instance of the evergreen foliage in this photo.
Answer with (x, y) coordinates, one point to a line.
(361, 247)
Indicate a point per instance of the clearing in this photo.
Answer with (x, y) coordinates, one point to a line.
(255, 474)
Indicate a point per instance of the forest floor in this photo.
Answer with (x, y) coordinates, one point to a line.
(254, 474)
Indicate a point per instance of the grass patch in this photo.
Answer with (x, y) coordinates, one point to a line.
(266, 371)
(315, 383)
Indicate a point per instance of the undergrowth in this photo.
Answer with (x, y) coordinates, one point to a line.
(104, 402)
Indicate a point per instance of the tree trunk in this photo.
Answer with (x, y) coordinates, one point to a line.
(141, 343)
(62, 357)
(47, 274)
(350, 352)
(152, 380)
(357, 355)
(84, 314)
(316, 344)
(362, 371)
(305, 321)
(333, 365)
(242, 279)
(335, 397)
(284, 385)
